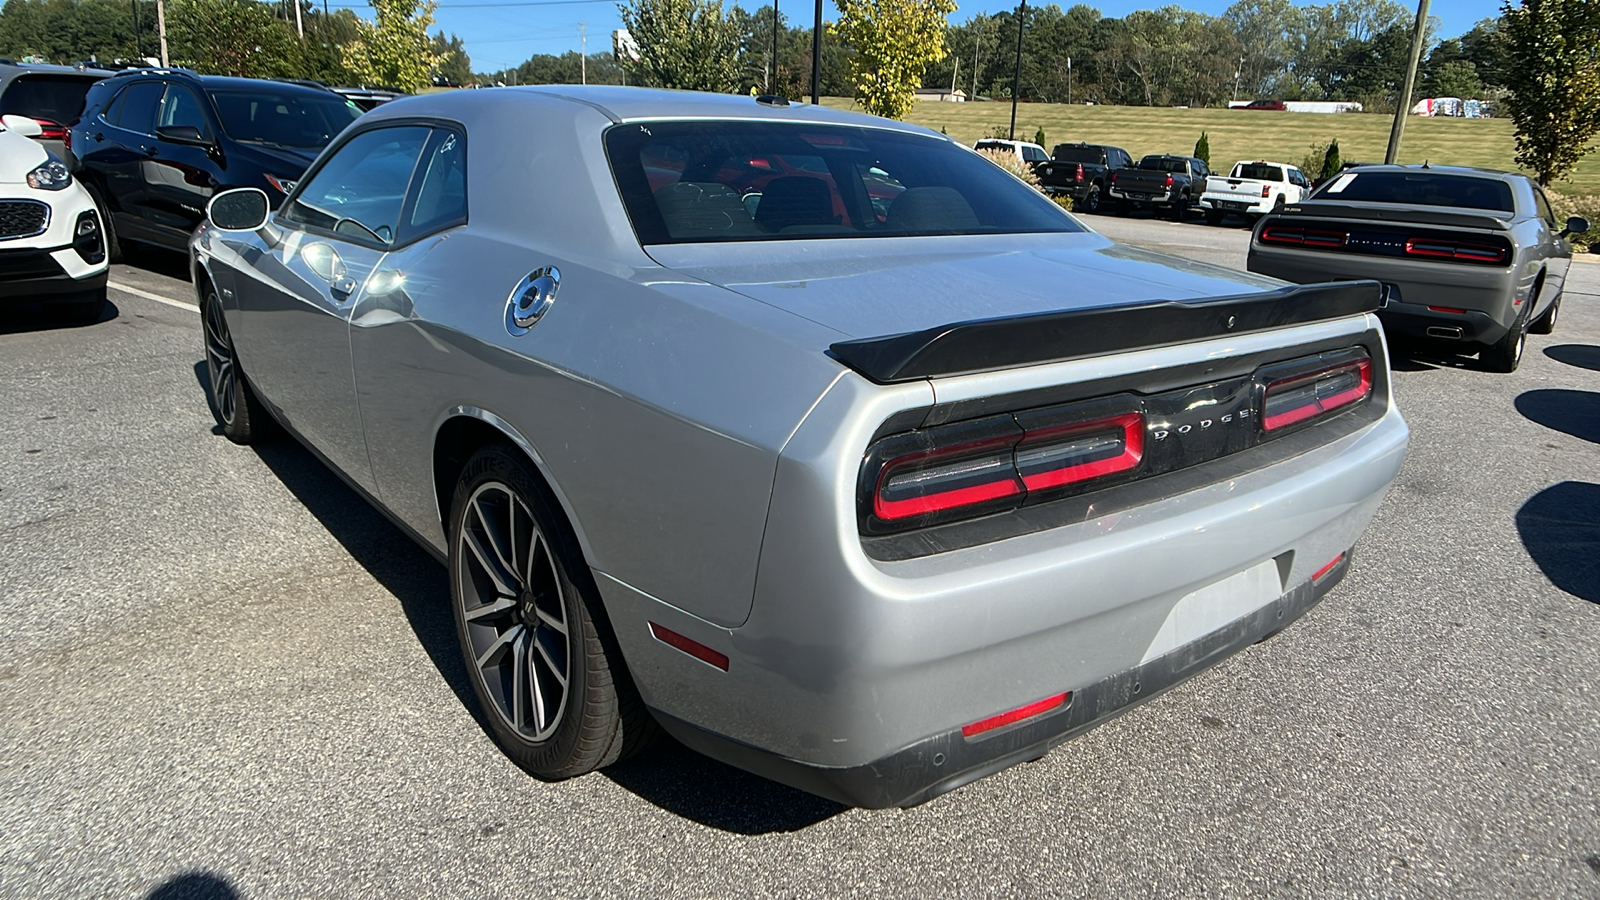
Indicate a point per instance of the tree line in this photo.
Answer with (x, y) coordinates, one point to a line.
(245, 38)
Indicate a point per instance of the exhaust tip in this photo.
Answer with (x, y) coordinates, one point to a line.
(1448, 332)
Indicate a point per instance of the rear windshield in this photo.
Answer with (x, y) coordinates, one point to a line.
(287, 118)
(688, 182)
(1420, 189)
(58, 98)
(1080, 154)
(1162, 164)
(1258, 172)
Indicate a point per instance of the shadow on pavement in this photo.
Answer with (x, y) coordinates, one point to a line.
(1560, 527)
(194, 886)
(159, 260)
(1584, 356)
(670, 776)
(1574, 412)
(717, 795)
(41, 317)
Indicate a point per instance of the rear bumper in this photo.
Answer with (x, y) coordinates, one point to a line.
(1417, 321)
(1245, 206)
(944, 762)
(1151, 199)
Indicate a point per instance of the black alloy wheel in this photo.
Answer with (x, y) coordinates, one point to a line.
(243, 418)
(1090, 203)
(1505, 354)
(543, 663)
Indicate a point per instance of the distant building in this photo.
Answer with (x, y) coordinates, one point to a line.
(955, 96)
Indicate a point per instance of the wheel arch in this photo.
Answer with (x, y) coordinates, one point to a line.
(462, 431)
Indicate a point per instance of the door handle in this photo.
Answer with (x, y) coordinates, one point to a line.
(342, 288)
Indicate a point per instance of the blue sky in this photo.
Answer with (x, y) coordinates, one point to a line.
(502, 33)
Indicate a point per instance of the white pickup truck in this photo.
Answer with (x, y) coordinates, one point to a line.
(1253, 189)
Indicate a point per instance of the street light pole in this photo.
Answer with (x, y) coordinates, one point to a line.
(1016, 76)
(1402, 106)
(772, 83)
(816, 57)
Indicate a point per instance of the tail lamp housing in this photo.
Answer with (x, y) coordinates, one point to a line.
(1297, 394)
(1266, 190)
(999, 463)
(1458, 251)
(1295, 235)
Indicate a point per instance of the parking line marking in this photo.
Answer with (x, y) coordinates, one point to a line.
(149, 296)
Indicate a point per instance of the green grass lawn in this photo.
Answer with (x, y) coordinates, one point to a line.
(1236, 134)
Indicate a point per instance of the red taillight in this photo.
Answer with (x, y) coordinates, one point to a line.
(1079, 175)
(1317, 575)
(1056, 457)
(690, 646)
(997, 464)
(66, 137)
(1266, 190)
(932, 481)
(1169, 181)
(1306, 237)
(50, 130)
(1301, 397)
(1016, 715)
(1465, 251)
(1113, 178)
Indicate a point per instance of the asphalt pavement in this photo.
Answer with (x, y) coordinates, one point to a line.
(223, 675)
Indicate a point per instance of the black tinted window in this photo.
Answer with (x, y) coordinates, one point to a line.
(1419, 188)
(1079, 154)
(58, 98)
(442, 194)
(181, 107)
(1259, 172)
(747, 181)
(286, 118)
(358, 192)
(136, 108)
(1161, 164)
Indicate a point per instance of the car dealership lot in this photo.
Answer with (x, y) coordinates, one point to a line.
(220, 664)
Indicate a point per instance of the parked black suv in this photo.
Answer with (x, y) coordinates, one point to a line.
(53, 96)
(154, 145)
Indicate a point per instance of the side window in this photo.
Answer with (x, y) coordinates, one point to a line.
(180, 106)
(442, 195)
(1545, 212)
(359, 191)
(1035, 155)
(136, 108)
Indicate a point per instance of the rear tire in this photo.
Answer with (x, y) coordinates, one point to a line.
(1505, 354)
(1091, 201)
(543, 662)
(1180, 208)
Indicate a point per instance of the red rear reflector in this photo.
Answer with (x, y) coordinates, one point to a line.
(1317, 575)
(690, 646)
(1449, 309)
(1015, 715)
(1303, 397)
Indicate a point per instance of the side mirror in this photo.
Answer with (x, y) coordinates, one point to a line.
(241, 209)
(1576, 225)
(21, 125)
(182, 134)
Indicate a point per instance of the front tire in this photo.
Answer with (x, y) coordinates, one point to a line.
(243, 418)
(555, 692)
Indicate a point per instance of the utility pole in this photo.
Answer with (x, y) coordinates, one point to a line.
(1069, 81)
(772, 82)
(953, 78)
(977, 37)
(583, 52)
(161, 30)
(1016, 76)
(816, 57)
(1236, 73)
(1402, 105)
(138, 35)
(299, 26)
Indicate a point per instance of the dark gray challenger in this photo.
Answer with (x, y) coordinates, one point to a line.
(1471, 256)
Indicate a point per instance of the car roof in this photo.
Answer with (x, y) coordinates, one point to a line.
(219, 81)
(9, 71)
(1495, 174)
(624, 104)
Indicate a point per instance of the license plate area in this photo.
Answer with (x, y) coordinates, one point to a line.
(1204, 611)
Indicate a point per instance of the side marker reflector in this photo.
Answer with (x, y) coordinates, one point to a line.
(690, 646)
(1016, 715)
(1317, 575)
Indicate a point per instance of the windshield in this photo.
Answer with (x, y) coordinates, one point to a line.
(1080, 154)
(58, 98)
(1258, 172)
(685, 182)
(1163, 163)
(287, 118)
(1418, 188)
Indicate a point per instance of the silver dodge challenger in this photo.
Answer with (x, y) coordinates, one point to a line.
(815, 440)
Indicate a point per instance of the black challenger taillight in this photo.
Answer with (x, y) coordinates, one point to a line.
(1321, 238)
(1458, 251)
(1290, 397)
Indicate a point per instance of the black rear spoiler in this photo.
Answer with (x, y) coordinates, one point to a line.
(982, 345)
(1400, 214)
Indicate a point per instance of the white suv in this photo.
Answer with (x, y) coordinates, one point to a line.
(51, 246)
